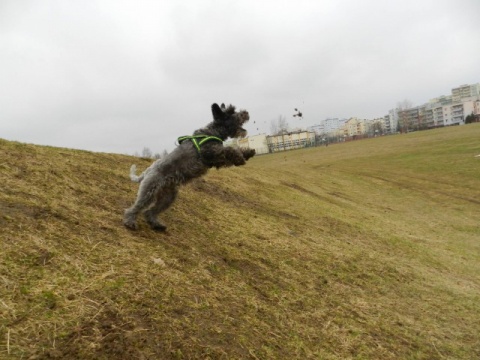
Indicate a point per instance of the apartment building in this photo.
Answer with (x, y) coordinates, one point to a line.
(413, 118)
(465, 91)
(354, 127)
(328, 126)
(318, 129)
(291, 140)
(257, 142)
(391, 121)
(333, 124)
(443, 110)
(264, 144)
(429, 116)
(376, 127)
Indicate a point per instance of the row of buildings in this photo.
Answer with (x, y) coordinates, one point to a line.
(441, 111)
(453, 109)
(448, 110)
(264, 144)
(350, 128)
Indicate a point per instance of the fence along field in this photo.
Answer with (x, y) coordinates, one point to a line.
(368, 249)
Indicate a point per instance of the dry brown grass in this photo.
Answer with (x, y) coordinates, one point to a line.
(361, 250)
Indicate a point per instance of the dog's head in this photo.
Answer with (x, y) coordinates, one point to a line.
(229, 122)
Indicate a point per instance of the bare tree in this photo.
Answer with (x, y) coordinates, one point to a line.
(273, 127)
(283, 124)
(402, 108)
(279, 125)
(147, 153)
(377, 128)
(157, 156)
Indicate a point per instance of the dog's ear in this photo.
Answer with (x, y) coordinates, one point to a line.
(223, 107)
(217, 112)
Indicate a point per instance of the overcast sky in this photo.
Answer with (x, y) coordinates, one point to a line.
(117, 76)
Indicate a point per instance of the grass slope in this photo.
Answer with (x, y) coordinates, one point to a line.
(368, 249)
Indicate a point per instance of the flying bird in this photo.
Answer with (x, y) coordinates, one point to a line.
(298, 114)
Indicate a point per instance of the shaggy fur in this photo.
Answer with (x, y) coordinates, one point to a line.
(159, 183)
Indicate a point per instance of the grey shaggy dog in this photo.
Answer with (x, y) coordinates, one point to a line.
(191, 159)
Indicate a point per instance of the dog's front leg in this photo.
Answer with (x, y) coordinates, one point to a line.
(247, 153)
(234, 157)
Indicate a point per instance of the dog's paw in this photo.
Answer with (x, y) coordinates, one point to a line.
(158, 227)
(249, 153)
(132, 225)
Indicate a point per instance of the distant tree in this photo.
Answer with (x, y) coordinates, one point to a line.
(377, 128)
(421, 121)
(283, 124)
(273, 127)
(279, 125)
(157, 156)
(403, 122)
(147, 153)
(470, 118)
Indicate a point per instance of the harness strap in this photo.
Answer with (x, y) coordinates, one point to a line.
(198, 140)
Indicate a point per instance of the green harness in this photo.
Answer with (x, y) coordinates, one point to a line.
(198, 140)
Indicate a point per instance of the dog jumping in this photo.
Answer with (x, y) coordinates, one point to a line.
(191, 159)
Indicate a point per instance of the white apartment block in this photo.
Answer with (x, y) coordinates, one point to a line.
(290, 141)
(327, 126)
(333, 124)
(443, 110)
(465, 91)
(391, 121)
(318, 129)
(264, 144)
(257, 142)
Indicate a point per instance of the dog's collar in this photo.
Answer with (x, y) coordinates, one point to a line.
(198, 140)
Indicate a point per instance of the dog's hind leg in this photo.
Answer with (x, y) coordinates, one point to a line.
(165, 198)
(146, 196)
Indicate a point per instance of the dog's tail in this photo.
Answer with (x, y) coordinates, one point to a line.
(133, 176)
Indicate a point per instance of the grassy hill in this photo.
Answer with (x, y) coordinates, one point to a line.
(368, 249)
